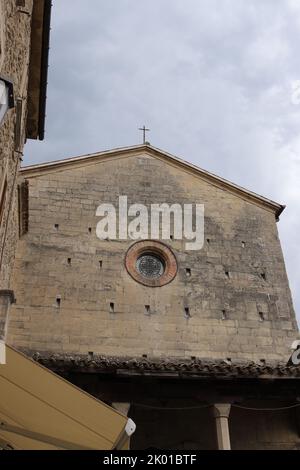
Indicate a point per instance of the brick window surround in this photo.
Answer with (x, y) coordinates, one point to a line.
(157, 249)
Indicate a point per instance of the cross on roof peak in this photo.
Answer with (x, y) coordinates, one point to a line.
(144, 129)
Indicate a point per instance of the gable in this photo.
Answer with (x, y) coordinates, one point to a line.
(147, 150)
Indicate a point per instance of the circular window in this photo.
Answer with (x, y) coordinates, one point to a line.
(150, 266)
(151, 263)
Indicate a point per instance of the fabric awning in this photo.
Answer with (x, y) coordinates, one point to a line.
(40, 410)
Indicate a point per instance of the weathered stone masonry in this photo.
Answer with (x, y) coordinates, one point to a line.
(15, 35)
(66, 279)
(24, 39)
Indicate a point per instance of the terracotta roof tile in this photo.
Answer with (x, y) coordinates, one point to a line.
(197, 367)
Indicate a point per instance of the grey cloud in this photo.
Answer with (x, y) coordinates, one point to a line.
(212, 79)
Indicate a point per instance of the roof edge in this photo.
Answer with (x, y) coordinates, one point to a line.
(38, 69)
(38, 169)
(164, 366)
(44, 68)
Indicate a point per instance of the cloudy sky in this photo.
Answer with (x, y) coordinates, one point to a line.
(217, 81)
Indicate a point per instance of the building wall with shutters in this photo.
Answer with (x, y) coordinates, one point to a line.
(15, 34)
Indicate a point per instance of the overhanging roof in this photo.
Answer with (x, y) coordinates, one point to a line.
(125, 152)
(167, 367)
(38, 68)
(40, 410)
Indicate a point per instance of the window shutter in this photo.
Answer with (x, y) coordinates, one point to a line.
(23, 208)
(2, 200)
(18, 126)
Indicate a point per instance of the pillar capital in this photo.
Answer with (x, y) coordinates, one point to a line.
(222, 410)
(221, 414)
(121, 406)
(7, 298)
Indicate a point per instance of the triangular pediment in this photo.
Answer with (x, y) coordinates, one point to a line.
(148, 150)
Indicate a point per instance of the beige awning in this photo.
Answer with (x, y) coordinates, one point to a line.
(40, 410)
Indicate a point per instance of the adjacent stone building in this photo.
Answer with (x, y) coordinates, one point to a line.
(24, 40)
(180, 339)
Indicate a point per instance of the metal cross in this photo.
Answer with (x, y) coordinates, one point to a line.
(144, 129)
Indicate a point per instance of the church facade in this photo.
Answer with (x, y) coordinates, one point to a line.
(193, 344)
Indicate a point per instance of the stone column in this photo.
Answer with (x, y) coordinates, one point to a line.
(6, 299)
(221, 414)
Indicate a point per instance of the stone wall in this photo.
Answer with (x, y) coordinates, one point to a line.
(66, 279)
(15, 29)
